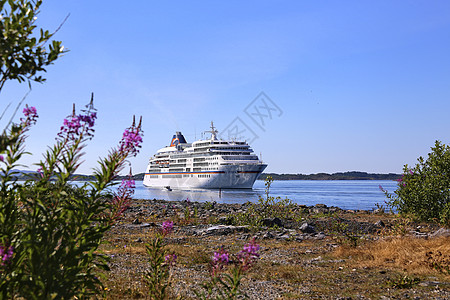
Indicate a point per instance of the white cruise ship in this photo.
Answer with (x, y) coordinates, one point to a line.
(211, 163)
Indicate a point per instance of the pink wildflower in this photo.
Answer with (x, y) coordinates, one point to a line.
(131, 140)
(6, 253)
(82, 124)
(170, 259)
(220, 259)
(127, 187)
(30, 114)
(89, 119)
(71, 125)
(249, 254)
(167, 227)
(29, 111)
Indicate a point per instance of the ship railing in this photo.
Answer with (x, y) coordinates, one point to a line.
(240, 163)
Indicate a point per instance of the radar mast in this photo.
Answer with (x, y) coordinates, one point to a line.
(213, 132)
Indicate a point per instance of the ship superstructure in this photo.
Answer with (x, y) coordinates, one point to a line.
(209, 163)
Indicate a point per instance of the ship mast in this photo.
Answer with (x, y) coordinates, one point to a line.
(213, 132)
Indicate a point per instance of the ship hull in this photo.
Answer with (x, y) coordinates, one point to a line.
(227, 177)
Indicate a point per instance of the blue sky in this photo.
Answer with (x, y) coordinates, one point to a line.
(361, 85)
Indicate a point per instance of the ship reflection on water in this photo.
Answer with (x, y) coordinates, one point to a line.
(200, 195)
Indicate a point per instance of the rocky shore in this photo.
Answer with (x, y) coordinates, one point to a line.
(306, 252)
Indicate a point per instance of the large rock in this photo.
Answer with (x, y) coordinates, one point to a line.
(379, 224)
(268, 235)
(224, 220)
(222, 230)
(442, 232)
(320, 236)
(307, 228)
(379, 211)
(271, 222)
(320, 209)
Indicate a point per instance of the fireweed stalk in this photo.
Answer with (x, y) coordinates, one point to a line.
(63, 158)
(11, 150)
(226, 285)
(122, 198)
(117, 157)
(158, 277)
(50, 229)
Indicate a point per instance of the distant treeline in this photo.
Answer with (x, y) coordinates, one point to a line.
(353, 175)
(24, 175)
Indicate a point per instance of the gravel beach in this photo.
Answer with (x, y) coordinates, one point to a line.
(300, 258)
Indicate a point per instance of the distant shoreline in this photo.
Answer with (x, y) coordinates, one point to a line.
(351, 175)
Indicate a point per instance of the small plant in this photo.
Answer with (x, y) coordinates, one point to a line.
(266, 207)
(273, 206)
(345, 232)
(196, 212)
(401, 226)
(209, 205)
(160, 262)
(438, 261)
(403, 282)
(187, 213)
(227, 285)
(250, 217)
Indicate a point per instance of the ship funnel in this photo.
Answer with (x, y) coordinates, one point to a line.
(177, 138)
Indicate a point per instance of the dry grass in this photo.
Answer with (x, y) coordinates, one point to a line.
(408, 254)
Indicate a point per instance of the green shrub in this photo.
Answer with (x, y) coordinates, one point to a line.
(424, 190)
(267, 207)
(50, 229)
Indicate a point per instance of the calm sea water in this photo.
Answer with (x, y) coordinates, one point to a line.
(346, 194)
